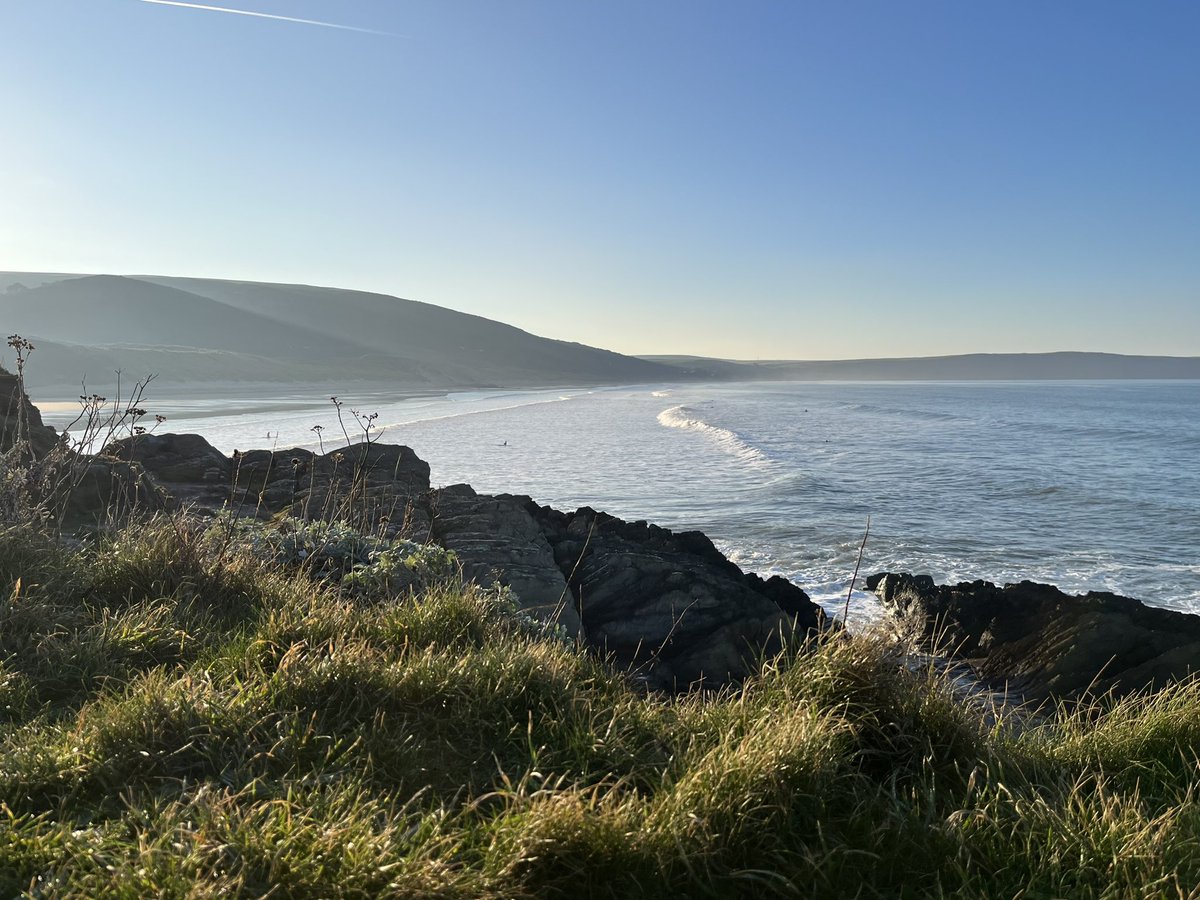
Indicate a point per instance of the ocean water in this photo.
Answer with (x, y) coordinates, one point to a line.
(1087, 485)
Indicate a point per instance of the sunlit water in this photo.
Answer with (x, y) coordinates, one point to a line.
(1088, 485)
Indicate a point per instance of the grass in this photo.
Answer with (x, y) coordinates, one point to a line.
(183, 721)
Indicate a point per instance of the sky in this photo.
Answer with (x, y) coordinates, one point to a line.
(759, 179)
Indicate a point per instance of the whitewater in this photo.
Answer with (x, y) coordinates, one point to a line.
(1086, 485)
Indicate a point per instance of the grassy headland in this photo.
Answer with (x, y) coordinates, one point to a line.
(181, 717)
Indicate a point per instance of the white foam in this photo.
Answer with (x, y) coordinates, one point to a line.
(730, 441)
(426, 417)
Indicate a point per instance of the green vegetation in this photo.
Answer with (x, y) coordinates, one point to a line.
(182, 714)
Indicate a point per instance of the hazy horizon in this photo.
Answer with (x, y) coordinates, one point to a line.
(216, 333)
(746, 182)
(15, 277)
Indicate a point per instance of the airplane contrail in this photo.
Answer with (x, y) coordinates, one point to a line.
(261, 15)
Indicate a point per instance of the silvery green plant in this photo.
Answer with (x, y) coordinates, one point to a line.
(362, 564)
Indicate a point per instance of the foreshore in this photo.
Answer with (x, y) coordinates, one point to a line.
(173, 399)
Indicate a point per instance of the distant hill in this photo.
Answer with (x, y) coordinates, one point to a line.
(965, 367)
(445, 344)
(105, 310)
(202, 330)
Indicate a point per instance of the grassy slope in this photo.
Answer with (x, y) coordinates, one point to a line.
(278, 332)
(464, 348)
(90, 326)
(176, 721)
(107, 309)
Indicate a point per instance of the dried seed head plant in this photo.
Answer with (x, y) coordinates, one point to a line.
(40, 475)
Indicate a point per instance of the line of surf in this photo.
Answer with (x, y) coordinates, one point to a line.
(689, 419)
(441, 415)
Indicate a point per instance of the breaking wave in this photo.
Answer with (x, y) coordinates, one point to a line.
(730, 441)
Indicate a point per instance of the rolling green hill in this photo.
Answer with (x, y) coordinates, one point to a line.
(199, 330)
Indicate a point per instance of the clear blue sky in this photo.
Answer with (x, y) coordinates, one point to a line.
(740, 179)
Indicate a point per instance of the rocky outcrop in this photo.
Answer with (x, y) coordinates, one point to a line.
(1045, 644)
(497, 539)
(669, 604)
(189, 468)
(382, 486)
(47, 480)
(105, 489)
(20, 417)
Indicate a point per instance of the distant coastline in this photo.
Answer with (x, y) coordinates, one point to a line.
(1056, 366)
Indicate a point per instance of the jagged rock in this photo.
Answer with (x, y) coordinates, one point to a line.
(59, 483)
(496, 539)
(17, 413)
(1045, 644)
(108, 489)
(192, 471)
(178, 458)
(368, 484)
(668, 604)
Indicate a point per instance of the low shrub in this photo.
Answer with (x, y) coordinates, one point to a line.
(361, 564)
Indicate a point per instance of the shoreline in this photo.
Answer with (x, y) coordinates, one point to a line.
(634, 582)
(811, 552)
(245, 397)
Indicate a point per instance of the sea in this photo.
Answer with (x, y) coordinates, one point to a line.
(1086, 485)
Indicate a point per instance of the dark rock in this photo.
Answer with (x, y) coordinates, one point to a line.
(19, 416)
(78, 490)
(191, 470)
(782, 593)
(670, 605)
(175, 457)
(369, 485)
(497, 540)
(107, 490)
(1045, 644)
